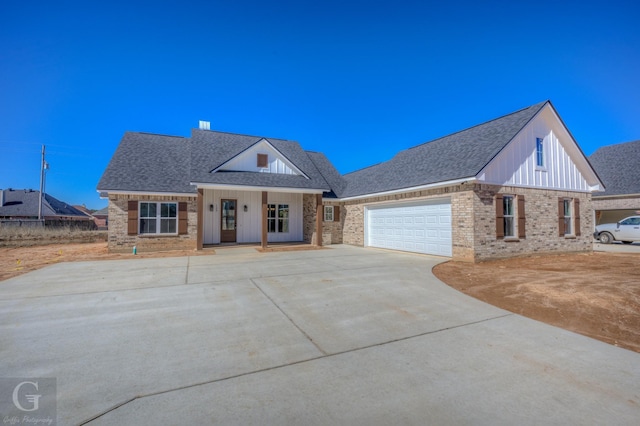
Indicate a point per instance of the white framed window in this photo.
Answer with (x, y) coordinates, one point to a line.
(158, 218)
(278, 218)
(540, 153)
(508, 215)
(328, 213)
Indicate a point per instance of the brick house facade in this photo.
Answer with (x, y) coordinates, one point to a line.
(513, 186)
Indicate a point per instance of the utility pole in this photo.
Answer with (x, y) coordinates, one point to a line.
(42, 165)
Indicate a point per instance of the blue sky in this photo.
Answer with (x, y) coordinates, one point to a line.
(357, 80)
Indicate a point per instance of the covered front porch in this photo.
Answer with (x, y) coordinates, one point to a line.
(233, 215)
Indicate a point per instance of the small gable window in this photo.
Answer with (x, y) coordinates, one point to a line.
(539, 152)
(263, 160)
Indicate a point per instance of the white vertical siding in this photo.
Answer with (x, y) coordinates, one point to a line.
(247, 161)
(249, 223)
(516, 164)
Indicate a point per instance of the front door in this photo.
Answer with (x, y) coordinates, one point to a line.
(228, 221)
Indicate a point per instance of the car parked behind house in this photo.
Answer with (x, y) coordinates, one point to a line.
(626, 231)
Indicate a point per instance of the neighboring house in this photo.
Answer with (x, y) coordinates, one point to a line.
(101, 218)
(619, 168)
(23, 204)
(98, 217)
(515, 185)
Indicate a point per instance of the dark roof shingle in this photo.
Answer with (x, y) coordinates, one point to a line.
(618, 167)
(24, 203)
(456, 156)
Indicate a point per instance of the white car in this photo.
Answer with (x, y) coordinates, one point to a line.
(626, 231)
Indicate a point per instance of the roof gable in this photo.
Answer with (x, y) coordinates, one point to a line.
(617, 166)
(230, 156)
(564, 166)
(457, 156)
(246, 161)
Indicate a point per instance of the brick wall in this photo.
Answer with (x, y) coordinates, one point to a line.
(618, 203)
(353, 211)
(474, 221)
(119, 241)
(308, 218)
(541, 207)
(332, 231)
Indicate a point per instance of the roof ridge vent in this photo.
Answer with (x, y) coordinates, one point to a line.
(204, 125)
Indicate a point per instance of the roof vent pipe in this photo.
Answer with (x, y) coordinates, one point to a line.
(205, 125)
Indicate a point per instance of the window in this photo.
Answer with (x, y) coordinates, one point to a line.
(569, 217)
(158, 218)
(539, 152)
(263, 160)
(328, 213)
(278, 218)
(508, 211)
(510, 217)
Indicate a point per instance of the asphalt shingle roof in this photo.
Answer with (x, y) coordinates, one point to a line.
(150, 163)
(211, 149)
(460, 155)
(618, 167)
(24, 203)
(157, 163)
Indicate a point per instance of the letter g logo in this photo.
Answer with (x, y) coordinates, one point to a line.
(30, 398)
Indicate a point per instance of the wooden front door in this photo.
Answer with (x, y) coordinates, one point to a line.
(228, 221)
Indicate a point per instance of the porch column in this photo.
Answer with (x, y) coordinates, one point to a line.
(263, 239)
(200, 226)
(319, 214)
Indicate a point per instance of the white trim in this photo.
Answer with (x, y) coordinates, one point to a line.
(257, 188)
(403, 190)
(155, 194)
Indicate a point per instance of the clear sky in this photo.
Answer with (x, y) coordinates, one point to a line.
(357, 80)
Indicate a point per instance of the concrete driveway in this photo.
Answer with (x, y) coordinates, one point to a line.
(343, 335)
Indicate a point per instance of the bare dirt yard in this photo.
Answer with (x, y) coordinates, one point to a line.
(597, 295)
(19, 260)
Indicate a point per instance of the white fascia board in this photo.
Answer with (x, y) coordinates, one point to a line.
(258, 188)
(403, 190)
(155, 194)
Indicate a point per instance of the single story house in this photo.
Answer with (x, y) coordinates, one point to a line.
(619, 168)
(20, 207)
(515, 185)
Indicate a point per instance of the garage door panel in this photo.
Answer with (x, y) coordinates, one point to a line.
(421, 228)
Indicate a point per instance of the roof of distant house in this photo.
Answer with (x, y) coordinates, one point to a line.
(23, 203)
(619, 168)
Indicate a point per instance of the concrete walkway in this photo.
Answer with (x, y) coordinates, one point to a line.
(343, 335)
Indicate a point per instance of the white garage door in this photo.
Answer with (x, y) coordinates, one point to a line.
(417, 227)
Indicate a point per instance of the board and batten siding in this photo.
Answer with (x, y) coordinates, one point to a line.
(248, 228)
(516, 165)
(247, 161)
